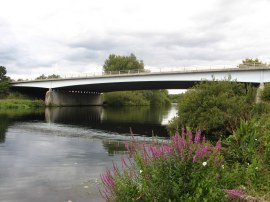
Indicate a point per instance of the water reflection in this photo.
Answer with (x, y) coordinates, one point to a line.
(51, 155)
(114, 147)
(3, 127)
(9, 116)
(143, 120)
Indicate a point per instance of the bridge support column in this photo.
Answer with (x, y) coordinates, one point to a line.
(259, 93)
(72, 98)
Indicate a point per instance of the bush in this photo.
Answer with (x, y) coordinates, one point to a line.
(216, 107)
(247, 153)
(266, 92)
(125, 98)
(138, 98)
(185, 169)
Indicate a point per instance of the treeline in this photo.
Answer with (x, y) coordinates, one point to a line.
(137, 98)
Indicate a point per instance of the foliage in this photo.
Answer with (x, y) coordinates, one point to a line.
(124, 98)
(175, 98)
(186, 169)
(3, 72)
(20, 103)
(250, 62)
(4, 82)
(53, 76)
(216, 107)
(117, 63)
(266, 92)
(137, 98)
(247, 153)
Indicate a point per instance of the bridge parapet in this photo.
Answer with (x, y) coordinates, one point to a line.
(145, 71)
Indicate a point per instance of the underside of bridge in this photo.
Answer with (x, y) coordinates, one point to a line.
(90, 94)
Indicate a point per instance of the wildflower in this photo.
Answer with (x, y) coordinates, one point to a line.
(141, 171)
(204, 163)
(222, 166)
(256, 139)
(234, 193)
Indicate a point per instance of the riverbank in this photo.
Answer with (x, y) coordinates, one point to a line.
(20, 103)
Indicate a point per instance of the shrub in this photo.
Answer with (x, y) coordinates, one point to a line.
(266, 92)
(247, 154)
(216, 107)
(185, 169)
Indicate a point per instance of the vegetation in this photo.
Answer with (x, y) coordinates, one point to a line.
(137, 98)
(14, 100)
(216, 107)
(249, 62)
(53, 76)
(186, 169)
(131, 98)
(4, 82)
(192, 169)
(266, 92)
(118, 63)
(175, 98)
(20, 103)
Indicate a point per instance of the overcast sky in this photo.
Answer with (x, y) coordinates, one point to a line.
(64, 36)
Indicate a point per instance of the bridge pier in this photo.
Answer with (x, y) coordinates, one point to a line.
(259, 93)
(72, 98)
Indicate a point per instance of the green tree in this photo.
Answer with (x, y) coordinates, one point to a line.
(4, 82)
(53, 76)
(216, 107)
(117, 63)
(266, 92)
(41, 77)
(3, 72)
(250, 62)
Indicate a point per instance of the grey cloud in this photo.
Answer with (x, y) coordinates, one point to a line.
(97, 44)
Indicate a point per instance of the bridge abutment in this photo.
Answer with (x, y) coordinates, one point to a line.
(72, 98)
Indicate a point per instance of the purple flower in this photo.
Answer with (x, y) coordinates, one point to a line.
(234, 193)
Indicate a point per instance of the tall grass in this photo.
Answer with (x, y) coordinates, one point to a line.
(20, 103)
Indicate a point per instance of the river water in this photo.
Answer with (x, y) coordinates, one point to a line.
(58, 154)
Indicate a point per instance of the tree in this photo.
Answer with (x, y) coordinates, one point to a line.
(41, 77)
(216, 107)
(53, 76)
(3, 72)
(250, 62)
(4, 82)
(117, 63)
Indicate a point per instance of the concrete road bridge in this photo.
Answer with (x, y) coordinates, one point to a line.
(86, 89)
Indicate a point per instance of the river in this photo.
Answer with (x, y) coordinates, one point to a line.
(58, 154)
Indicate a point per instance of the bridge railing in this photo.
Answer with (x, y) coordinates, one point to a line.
(142, 71)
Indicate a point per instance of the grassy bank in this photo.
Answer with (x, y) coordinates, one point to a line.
(21, 103)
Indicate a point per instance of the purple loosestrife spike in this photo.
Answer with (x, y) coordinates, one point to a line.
(197, 137)
(197, 154)
(205, 151)
(190, 151)
(190, 136)
(234, 193)
(218, 146)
